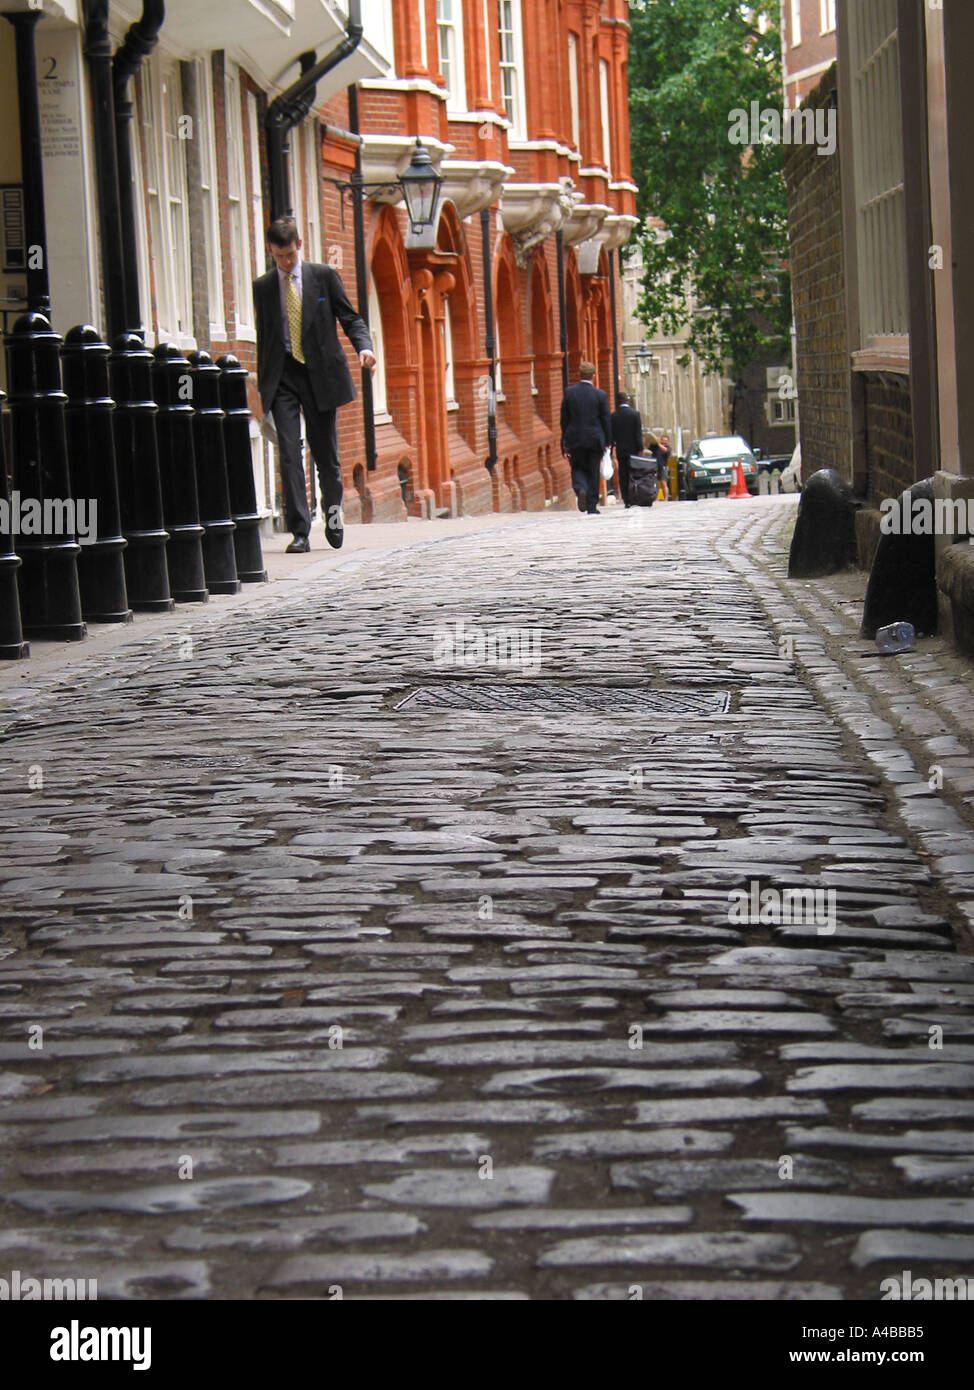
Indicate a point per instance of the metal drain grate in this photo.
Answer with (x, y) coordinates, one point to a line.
(534, 697)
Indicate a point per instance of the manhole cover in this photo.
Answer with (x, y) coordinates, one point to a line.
(534, 697)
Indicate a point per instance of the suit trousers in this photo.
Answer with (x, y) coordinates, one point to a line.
(586, 477)
(294, 398)
(623, 476)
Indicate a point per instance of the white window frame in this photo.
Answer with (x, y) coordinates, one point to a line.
(240, 256)
(211, 197)
(796, 23)
(604, 112)
(165, 186)
(512, 67)
(177, 202)
(380, 398)
(827, 12)
(312, 206)
(879, 186)
(256, 188)
(573, 90)
(449, 380)
(449, 30)
(295, 174)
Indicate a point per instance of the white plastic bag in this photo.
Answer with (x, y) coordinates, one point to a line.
(608, 471)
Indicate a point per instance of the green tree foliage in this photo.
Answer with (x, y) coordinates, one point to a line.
(719, 266)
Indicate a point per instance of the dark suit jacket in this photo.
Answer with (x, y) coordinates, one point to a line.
(585, 422)
(324, 304)
(627, 431)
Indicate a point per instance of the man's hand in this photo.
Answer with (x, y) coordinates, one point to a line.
(367, 360)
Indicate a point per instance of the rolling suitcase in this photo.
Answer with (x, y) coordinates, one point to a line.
(643, 480)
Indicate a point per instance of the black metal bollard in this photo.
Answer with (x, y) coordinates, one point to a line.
(211, 476)
(172, 389)
(137, 465)
(240, 471)
(94, 485)
(12, 644)
(50, 600)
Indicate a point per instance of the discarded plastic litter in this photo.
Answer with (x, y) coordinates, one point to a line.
(898, 637)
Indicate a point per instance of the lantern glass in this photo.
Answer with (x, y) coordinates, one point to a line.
(421, 187)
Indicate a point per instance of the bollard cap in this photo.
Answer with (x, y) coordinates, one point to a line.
(128, 342)
(84, 333)
(199, 358)
(166, 352)
(229, 363)
(32, 322)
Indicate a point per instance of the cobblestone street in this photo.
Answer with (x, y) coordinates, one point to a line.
(362, 975)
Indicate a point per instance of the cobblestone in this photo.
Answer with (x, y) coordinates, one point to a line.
(424, 998)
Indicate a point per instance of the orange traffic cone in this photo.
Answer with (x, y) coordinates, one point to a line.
(740, 486)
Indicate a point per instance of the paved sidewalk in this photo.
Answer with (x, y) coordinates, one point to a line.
(361, 974)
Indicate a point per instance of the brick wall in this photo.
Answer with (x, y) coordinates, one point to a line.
(818, 291)
(889, 437)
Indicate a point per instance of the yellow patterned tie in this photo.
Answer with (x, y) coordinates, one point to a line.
(294, 319)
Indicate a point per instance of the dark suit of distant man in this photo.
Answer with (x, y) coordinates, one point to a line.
(586, 433)
(302, 369)
(627, 438)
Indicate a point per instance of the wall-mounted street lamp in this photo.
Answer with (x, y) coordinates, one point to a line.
(419, 185)
(644, 359)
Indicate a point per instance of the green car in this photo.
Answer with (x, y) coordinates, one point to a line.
(708, 469)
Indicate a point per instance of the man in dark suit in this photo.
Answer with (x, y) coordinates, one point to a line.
(586, 433)
(301, 369)
(627, 439)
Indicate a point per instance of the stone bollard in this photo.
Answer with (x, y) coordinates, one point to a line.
(240, 471)
(824, 540)
(12, 644)
(137, 467)
(173, 391)
(50, 599)
(94, 485)
(211, 476)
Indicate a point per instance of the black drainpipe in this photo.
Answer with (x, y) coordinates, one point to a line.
(615, 328)
(291, 107)
(32, 163)
(491, 341)
(562, 311)
(98, 56)
(362, 277)
(139, 42)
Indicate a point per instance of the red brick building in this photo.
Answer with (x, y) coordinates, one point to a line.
(808, 46)
(523, 105)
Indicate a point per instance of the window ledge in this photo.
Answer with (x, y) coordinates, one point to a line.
(885, 355)
(244, 334)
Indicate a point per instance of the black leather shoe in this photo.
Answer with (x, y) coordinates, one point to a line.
(334, 535)
(299, 546)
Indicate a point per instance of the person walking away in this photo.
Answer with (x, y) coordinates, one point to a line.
(586, 433)
(627, 439)
(301, 369)
(665, 456)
